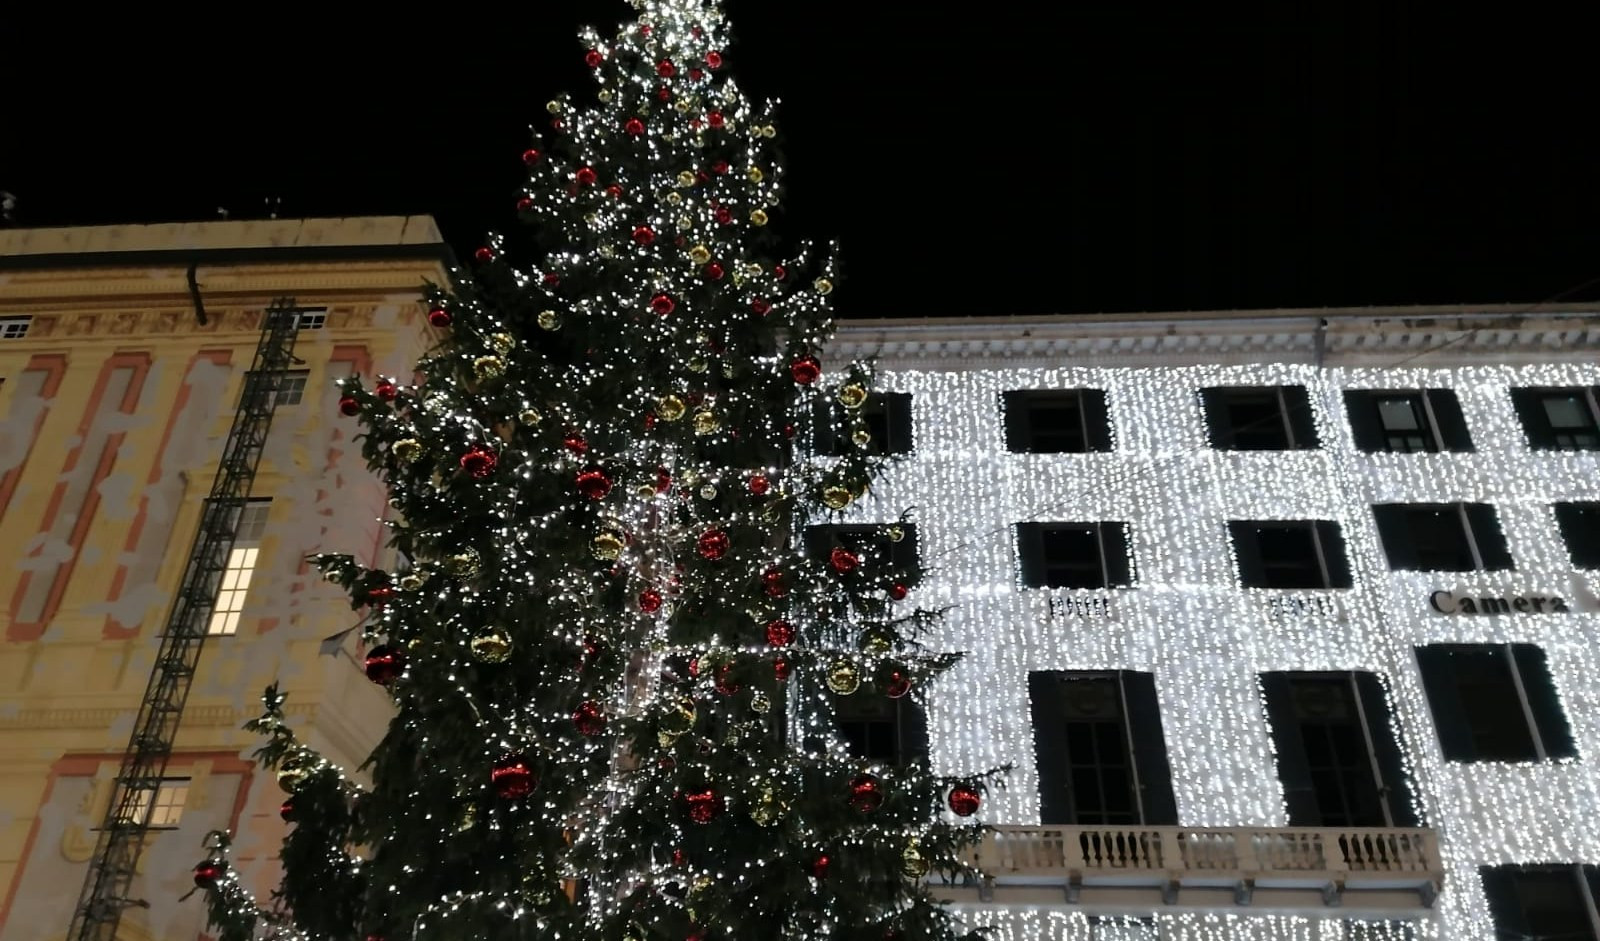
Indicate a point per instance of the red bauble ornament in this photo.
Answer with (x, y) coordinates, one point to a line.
(724, 682)
(512, 777)
(644, 235)
(531, 156)
(664, 93)
(866, 793)
(479, 463)
(384, 664)
(286, 811)
(594, 484)
(614, 191)
(666, 69)
(715, 119)
(696, 75)
(723, 215)
(380, 595)
(207, 873)
(761, 306)
(663, 304)
(712, 544)
(348, 406)
(649, 601)
(819, 866)
(897, 592)
(586, 176)
(772, 583)
(780, 669)
(805, 370)
(713, 60)
(551, 279)
(590, 719)
(964, 800)
(574, 442)
(720, 167)
(788, 431)
(704, 805)
(386, 390)
(524, 204)
(780, 633)
(715, 271)
(759, 484)
(897, 685)
(593, 58)
(679, 857)
(484, 254)
(843, 560)
(634, 126)
(780, 272)
(663, 480)
(439, 317)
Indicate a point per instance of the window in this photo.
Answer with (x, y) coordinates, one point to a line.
(241, 564)
(1559, 419)
(867, 542)
(1442, 537)
(1074, 555)
(311, 318)
(292, 386)
(1259, 418)
(1338, 750)
(881, 730)
(1100, 751)
(1057, 421)
(1494, 702)
(14, 328)
(1123, 928)
(1580, 527)
(166, 809)
(1407, 420)
(1543, 903)
(1290, 554)
(886, 415)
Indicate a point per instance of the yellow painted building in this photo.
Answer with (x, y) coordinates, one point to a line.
(115, 402)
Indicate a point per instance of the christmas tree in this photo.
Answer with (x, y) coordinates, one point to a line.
(624, 623)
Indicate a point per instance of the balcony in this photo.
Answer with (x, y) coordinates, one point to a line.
(1355, 872)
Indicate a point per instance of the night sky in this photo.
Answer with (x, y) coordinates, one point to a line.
(1100, 157)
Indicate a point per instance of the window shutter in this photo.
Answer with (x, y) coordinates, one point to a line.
(1384, 729)
(1362, 407)
(1500, 885)
(1531, 413)
(1248, 550)
(1114, 543)
(911, 726)
(1293, 773)
(1452, 423)
(1591, 875)
(1331, 536)
(1096, 419)
(1298, 401)
(1015, 407)
(825, 436)
(1217, 432)
(1394, 529)
(1149, 749)
(1485, 523)
(1543, 701)
(1050, 748)
(1030, 553)
(1437, 663)
(902, 436)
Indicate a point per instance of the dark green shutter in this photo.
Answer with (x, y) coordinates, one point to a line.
(911, 726)
(1149, 749)
(1362, 407)
(1298, 401)
(1050, 747)
(1530, 410)
(1299, 794)
(1452, 423)
(1548, 715)
(1114, 543)
(1500, 885)
(1331, 536)
(1248, 550)
(825, 437)
(901, 437)
(1486, 532)
(1015, 407)
(1394, 529)
(1030, 553)
(1437, 663)
(1384, 730)
(1216, 418)
(1096, 419)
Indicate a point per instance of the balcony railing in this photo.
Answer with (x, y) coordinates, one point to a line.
(1384, 869)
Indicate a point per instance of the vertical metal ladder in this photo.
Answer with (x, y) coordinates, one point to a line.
(123, 832)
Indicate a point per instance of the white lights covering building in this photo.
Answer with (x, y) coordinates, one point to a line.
(1399, 742)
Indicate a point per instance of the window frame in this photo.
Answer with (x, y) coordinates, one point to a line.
(904, 719)
(1093, 433)
(1500, 885)
(1387, 516)
(170, 812)
(1323, 532)
(1529, 403)
(310, 318)
(233, 587)
(1442, 690)
(1032, 554)
(1223, 433)
(1569, 522)
(292, 387)
(15, 327)
(1142, 734)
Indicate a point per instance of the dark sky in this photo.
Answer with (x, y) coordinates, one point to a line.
(992, 159)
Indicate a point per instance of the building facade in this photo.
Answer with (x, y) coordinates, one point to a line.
(1287, 620)
(122, 356)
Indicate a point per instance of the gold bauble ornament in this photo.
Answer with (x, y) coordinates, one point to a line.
(464, 564)
(674, 199)
(608, 250)
(666, 739)
(410, 581)
(606, 547)
(861, 437)
(843, 677)
(492, 646)
(685, 223)
(768, 808)
(467, 818)
(408, 450)
(822, 286)
(554, 107)
(876, 642)
(670, 408)
(502, 343)
(645, 490)
(759, 702)
(592, 220)
(698, 364)
(679, 718)
(895, 533)
(853, 395)
(548, 320)
(758, 217)
(912, 862)
(768, 131)
(699, 254)
(294, 770)
(706, 422)
(604, 95)
(708, 492)
(836, 498)
(530, 416)
(489, 367)
(686, 178)
(683, 105)
(754, 174)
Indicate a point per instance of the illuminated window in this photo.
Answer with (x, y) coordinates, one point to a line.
(235, 584)
(166, 809)
(311, 318)
(14, 328)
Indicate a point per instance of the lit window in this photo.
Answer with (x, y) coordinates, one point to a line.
(311, 318)
(14, 328)
(235, 584)
(165, 810)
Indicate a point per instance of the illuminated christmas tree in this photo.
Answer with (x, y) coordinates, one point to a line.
(625, 625)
